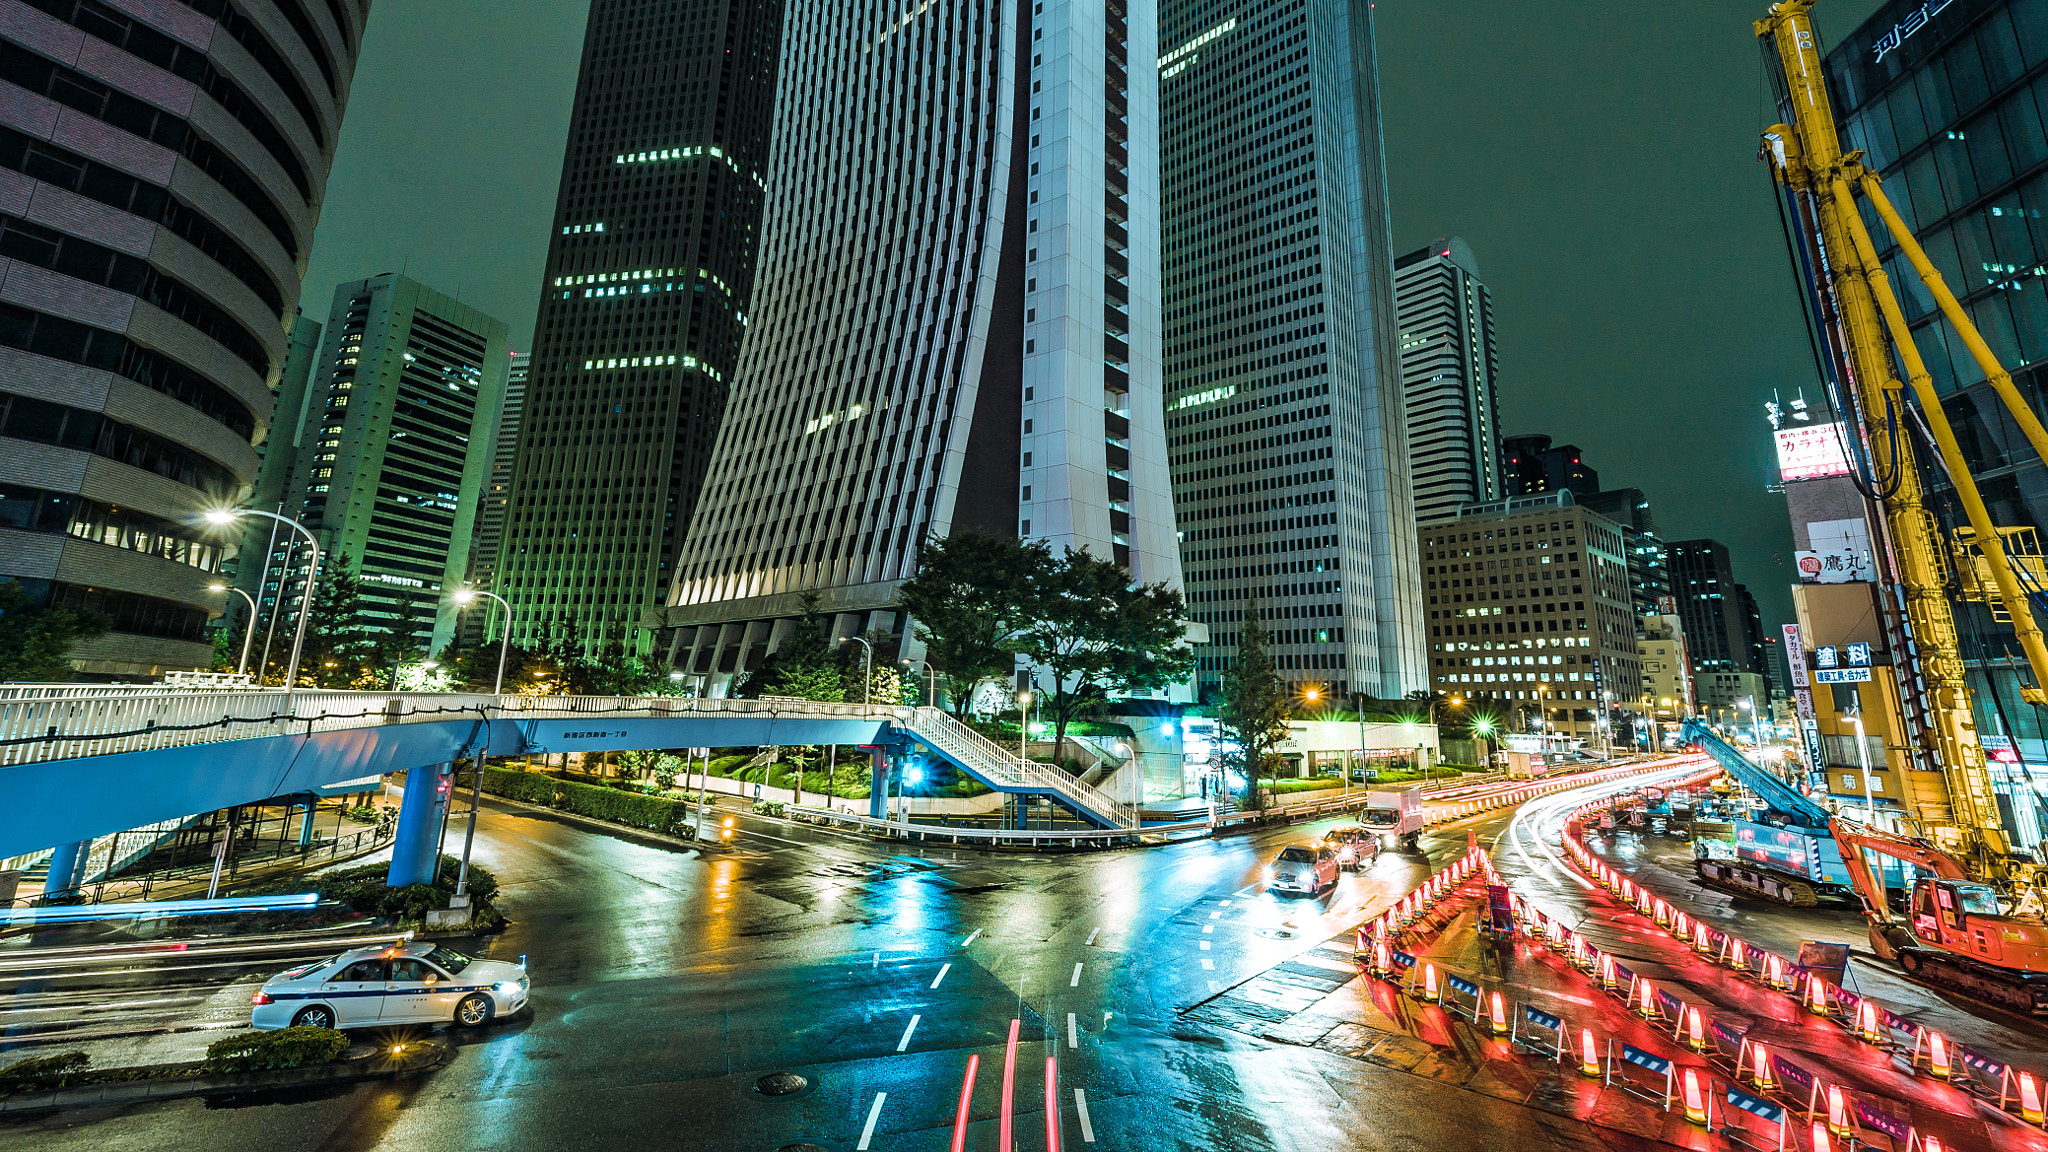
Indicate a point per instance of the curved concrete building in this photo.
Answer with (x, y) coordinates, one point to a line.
(161, 168)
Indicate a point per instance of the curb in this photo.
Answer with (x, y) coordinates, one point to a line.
(377, 1066)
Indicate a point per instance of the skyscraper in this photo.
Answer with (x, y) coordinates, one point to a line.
(1447, 374)
(1283, 390)
(161, 201)
(1723, 631)
(1649, 572)
(497, 492)
(1531, 467)
(397, 442)
(958, 321)
(649, 279)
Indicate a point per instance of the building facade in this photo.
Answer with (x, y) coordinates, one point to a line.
(1448, 365)
(399, 430)
(1667, 695)
(648, 288)
(161, 170)
(489, 535)
(1283, 392)
(1714, 610)
(1530, 617)
(958, 324)
(1649, 567)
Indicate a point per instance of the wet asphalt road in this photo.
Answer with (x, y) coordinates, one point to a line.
(667, 981)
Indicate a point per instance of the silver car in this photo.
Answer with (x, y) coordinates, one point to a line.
(410, 983)
(1309, 866)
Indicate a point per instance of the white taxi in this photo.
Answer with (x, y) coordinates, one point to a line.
(1307, 867)
(409, 983)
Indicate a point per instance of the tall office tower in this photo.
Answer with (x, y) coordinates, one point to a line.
(1718, 631)
(163, 168)
(1649, 573)
(1447, 373)
(649, 282)
(1530, 466)
(960, 327)
(1283, 389)
(257, 564)
(490, 512)
(396, 443)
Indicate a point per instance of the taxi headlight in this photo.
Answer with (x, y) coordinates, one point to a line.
(507, 986)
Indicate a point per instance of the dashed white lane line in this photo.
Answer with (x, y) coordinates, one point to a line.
(1081, 1109)
(1076, 981)
(1205, 945)
(1215, 915)
(1206, 928)
(1091, 938)
(1208, 965)
(878, 961)
(1214, 987)
(971, 937)
(907, 1030)
(1073, 1038)
(943, 969)
(867, 1134)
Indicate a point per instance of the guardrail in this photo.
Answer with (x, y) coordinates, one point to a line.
(987, 837)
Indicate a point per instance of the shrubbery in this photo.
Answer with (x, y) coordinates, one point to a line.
(294, 1047)
(363, 888)
(656, 813)
(52, 1071)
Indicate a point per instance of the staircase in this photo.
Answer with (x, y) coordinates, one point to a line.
(1004, 771)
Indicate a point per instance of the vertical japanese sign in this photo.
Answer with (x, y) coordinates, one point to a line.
(1802, 692)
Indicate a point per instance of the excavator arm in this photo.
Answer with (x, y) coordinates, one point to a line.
(1771, 790)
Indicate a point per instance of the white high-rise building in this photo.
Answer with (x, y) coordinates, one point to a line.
(1447, 372)
(955, 323)
(1283, 391)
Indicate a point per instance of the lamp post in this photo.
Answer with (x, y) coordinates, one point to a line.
(467, 596)
(248, 627)
(1863, 758)
(229, 516)
(1756, 722)
(1023, 725)
(867, 683)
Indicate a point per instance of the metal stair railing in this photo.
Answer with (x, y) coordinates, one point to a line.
(998, 763)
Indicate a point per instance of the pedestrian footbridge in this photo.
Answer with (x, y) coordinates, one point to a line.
(76, 762)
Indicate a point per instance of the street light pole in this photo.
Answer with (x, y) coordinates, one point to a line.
(867, 684)
(248, 627)
(465, 597)
(1863, 758)
(229, 516)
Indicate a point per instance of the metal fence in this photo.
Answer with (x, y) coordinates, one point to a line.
(173, 883)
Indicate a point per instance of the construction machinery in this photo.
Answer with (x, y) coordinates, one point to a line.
(1788, 856)
(1869, 364)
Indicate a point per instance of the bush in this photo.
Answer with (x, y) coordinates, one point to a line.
(412, 901)
(363, 889)
(43, 1071)
(295, 1047)
(633, 809)
(768, 807)
(724, 765)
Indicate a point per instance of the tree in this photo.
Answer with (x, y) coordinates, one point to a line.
(1256, 706)
(972, 596)
(336, 640)
(1092, 631)
(805, 665)
(35, 643)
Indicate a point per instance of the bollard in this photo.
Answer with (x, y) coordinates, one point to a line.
(1589, 1056)
(1695, 1098)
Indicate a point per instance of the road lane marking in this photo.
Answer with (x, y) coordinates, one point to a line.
(1215, 915)
(970, 938)
(1090, 943)
(1223, 903)
(874, 1114)
(878, 961)
(907, 1030)
(1205, 945)
(1214, 987)
(1076, 981)
(1073, 1040)
(1208, 928)
(1081, 1108)
(1208, 965)
(943, 969)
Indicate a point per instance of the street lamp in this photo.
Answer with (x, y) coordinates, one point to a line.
(1863, 758)
(248, 628)
(867, 684)
(1023, 726)
(229, 516)
(467, 596)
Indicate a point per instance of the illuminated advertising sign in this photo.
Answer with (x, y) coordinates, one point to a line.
(1811, 451)
(1777, 847)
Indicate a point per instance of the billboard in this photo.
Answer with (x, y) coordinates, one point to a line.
(1811, 451)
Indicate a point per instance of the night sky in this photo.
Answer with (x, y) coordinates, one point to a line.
(1600, 161)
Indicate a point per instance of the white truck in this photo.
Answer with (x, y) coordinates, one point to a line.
(1395, 815)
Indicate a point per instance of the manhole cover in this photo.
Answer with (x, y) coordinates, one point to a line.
(1275, 934)
(781, 1084)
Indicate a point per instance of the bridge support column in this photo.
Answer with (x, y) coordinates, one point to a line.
(67, 866)
(883, 760)
(418, 839)
(306, 825)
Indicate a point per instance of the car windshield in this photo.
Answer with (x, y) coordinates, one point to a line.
(315, 966)
(1380, 815)
(449, 958)
(1298, 855)
(1978, 900)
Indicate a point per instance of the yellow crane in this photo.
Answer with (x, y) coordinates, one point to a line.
(1873, 350)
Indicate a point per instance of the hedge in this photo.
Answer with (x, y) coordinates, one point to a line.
(293, 1047)
(633, 809)
(52, 1071)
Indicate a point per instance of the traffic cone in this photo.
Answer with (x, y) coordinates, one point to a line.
(1607, 977)
(1702, 939)
(1866, 1023)
(2030, 1098)
(1937, 1056)
(1838, 1113)
(1589, 1055)
(1820, 1138)
(1816, 995)
(1382, 962)
(1500, 1016)
(1760, 1073)
(1646, 1005)
(1430, 994)
(1930, 1144)
(1661, 913)
(1695, 1030)
(1736, 955)
(1579, 952)
(1774, 972)
(1695, 1098)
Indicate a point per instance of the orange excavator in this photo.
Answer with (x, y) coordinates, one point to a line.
(1953, 932)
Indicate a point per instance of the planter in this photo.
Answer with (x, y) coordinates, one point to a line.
(179, 1082)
